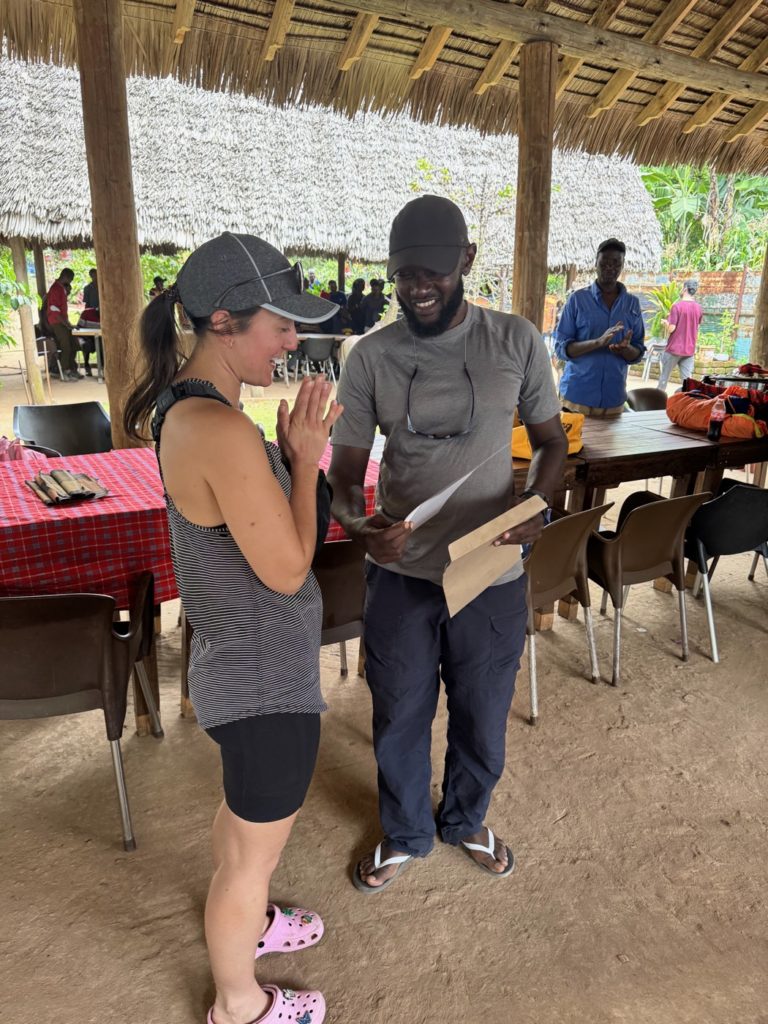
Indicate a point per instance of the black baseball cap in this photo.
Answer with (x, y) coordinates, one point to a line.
(612, 243)
(236, 272)
(428, 232)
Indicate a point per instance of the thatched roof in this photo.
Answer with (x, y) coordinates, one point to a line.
(309, 180)
(660, 81)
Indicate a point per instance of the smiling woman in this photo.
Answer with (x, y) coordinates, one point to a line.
(242, 516)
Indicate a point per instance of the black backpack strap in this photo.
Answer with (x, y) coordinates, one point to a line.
(177, 393)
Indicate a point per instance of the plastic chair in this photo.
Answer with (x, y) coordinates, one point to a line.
(556, 566)
(646, 399)
(319, 350)
(64, 654)
(647, 544)
(78, 429)
(653, 352)
(734, 522)
(339, 568)
(49, 453)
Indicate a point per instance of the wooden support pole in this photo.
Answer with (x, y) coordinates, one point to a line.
(759, 350)
(536, 121)
(570, 276)
(341, 270)
(40, 282)
(99, 33)
(27, 328)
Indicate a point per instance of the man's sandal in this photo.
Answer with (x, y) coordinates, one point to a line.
(490, 849)
(402, 860)
(291, 929)
(289, 1007)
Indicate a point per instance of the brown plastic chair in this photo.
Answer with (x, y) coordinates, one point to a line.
(646, 399)
(647, 544)
(556, 566)
(339, 568)
(63, 654)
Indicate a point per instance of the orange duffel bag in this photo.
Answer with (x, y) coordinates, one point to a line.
(686, 410)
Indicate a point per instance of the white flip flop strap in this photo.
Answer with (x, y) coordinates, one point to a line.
(489, 849)
(379, 863)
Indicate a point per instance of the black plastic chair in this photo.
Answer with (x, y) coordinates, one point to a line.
(734, 522)
(78, 429)
(64, 654)
(646, 399)
(49, 453)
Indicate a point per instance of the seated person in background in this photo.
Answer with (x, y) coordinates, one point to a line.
(55, 315)
(599, 333)
(159, 287)
(374, 304)
(354, 306)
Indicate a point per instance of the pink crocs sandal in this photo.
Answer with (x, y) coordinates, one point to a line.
(289, 1007)
(292, 929)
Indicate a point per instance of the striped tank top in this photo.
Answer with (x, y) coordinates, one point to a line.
(254, 651)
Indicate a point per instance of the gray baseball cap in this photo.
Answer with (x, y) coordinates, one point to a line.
(236, 272)
(428, 232)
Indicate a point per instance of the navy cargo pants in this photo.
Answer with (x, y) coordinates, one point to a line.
(410, 642)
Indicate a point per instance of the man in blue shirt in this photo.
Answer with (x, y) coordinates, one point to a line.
(600, 332)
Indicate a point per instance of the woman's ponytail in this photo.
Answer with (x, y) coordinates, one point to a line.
(159, 339)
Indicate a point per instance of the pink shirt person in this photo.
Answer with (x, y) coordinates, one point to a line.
(684, 317)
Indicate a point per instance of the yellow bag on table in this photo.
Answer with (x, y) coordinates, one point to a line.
(572, 425)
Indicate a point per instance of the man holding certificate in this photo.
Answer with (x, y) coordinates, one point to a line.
(442, 384)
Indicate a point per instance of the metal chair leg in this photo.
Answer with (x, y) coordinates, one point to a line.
(343, 658)
(755, 560)
(616, 647)
(533, 684)
(683, 623)
(626, 595)
(604, 603)
(710, 618)
(129, 841)
(146, 689)
(590, 628)
(696, 585)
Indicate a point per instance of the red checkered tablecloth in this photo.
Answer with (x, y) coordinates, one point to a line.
(335, 531)
(86, 547)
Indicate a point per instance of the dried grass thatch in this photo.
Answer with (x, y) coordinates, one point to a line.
(309, 180)
(222, 51)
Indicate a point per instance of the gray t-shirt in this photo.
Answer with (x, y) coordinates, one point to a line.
(508, 366)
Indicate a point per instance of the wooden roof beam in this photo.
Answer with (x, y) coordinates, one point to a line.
(661, 30)
(597, 45)
(278, 29)
(358, 39)
(603, 16)
(182, 23)
(430, 51)
(748, 123)
(718, 35)
(502, 57)
(709, 110)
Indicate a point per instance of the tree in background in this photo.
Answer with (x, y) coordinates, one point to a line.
(709, 221)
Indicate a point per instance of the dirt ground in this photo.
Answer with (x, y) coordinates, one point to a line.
(637, 816)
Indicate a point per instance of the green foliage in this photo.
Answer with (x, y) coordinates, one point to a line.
(167, 267)
(12, 296)
(709, 221)
(662, 299)
(724, 341)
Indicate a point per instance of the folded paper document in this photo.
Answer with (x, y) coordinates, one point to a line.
(475, 562)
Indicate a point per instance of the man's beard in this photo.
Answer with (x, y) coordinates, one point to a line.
(442, 323)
